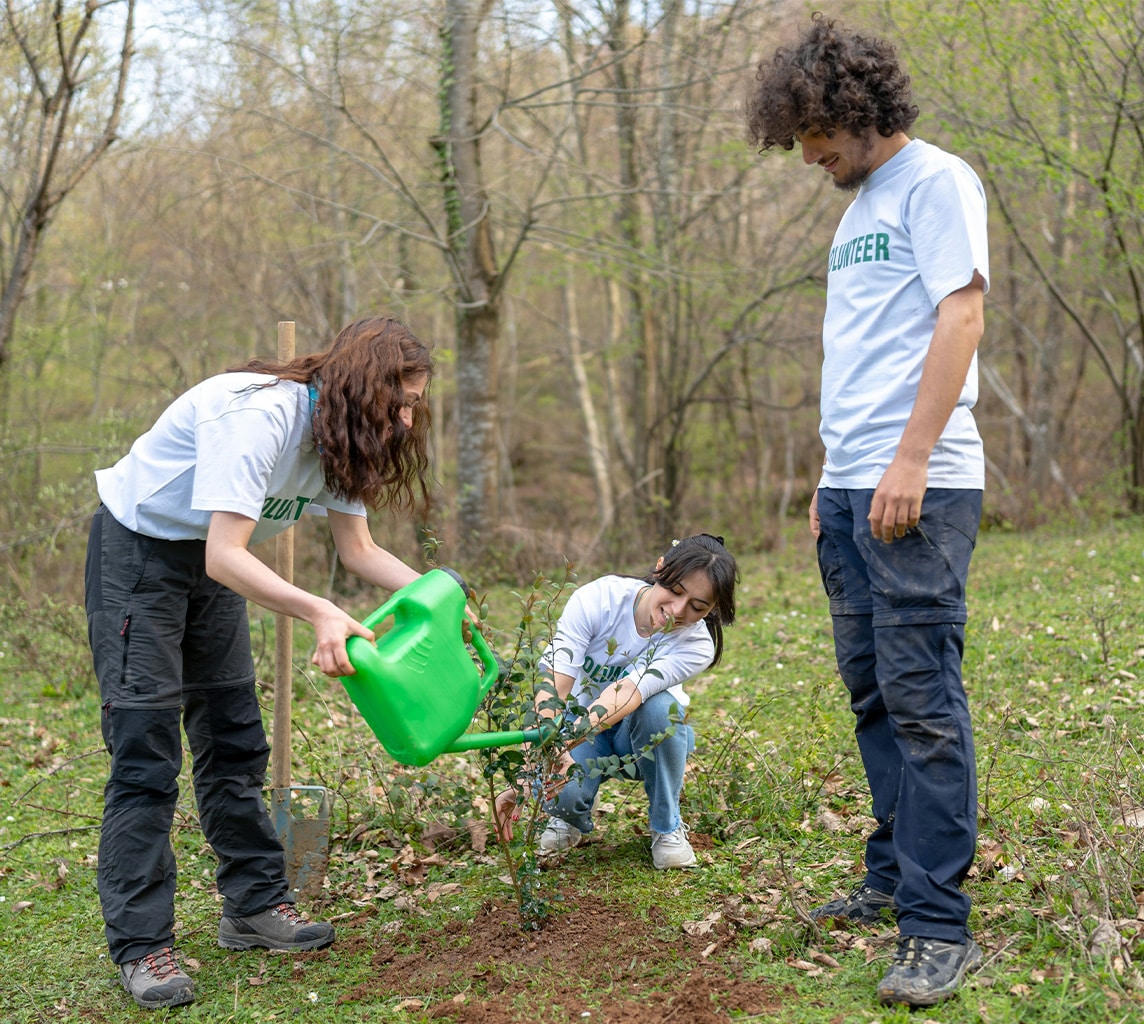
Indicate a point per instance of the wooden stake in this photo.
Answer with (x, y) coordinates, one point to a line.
(280, 770)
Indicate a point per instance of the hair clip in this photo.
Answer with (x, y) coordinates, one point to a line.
(675, 543)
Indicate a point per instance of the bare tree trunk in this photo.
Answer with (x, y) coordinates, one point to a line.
(477, 301)
(640, 333)
(616, 413)
(506, 421)
(669, 370)
(597, 451)
(597, 448)
(1043, 395)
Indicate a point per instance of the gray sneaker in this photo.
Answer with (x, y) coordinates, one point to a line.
(155, 980)
(863, 906)
(280, 927)
(927, 971)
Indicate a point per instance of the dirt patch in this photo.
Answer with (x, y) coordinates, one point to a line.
(594, 961)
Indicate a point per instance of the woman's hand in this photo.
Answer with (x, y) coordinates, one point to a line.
(506, 805)
(469, 624)
(333, 627)
(559, 776)
(229, 562)
(506, 811)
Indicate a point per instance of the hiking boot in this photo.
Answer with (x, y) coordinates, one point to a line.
(671, 849)
(863, 906)
(558, 837)
(280, 928)
(155, 980)
(926, 971)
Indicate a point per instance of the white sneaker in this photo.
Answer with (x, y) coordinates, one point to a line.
(558, 837)
(671, 849)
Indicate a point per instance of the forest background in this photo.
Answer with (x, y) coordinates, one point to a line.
(625, 303)
(624, 299)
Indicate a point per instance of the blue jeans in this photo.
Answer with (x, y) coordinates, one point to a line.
(899, 617)
(661, 769)
(172, 647)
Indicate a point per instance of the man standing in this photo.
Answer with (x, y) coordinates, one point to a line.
(898, 506)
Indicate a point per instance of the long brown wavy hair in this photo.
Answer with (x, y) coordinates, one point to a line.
(831, 79)
(367, 453)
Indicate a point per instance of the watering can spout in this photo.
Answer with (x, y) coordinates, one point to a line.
(482, 740)
(418, 687)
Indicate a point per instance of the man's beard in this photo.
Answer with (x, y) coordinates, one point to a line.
(859, 174)
(854, 182)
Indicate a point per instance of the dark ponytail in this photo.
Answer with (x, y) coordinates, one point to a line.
(706, 553)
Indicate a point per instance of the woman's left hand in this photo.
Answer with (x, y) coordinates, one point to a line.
(506, 811)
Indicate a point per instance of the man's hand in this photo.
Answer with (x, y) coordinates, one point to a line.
(897, 502)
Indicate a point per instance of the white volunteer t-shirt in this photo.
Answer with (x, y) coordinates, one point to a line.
(596, 643)
(915, 232)
(226, 445)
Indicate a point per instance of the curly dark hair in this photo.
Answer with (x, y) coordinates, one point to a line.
(833, 79)
(367, 453)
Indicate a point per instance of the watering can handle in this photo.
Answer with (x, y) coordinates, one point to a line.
(488, 659)
(379, 615)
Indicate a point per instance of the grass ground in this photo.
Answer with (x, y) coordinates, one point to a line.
(428, 926)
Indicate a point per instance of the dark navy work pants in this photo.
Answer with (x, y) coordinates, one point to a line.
(172, 647)
(899, 617)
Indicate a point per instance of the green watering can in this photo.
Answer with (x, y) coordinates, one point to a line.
(417, 687)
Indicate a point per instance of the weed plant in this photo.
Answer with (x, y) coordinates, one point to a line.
(1054, 665)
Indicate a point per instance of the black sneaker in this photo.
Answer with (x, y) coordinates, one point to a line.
(863, 906)
(155, 980)
(280, 927)
(927, 971)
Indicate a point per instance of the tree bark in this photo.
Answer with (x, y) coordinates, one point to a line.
(597, 450)
(477, 277)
